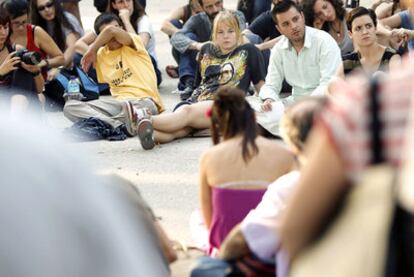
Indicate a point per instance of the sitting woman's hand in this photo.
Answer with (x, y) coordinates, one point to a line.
(124, 13)
(9, 64)
(31, 68)
(318, 23)
(52, 73)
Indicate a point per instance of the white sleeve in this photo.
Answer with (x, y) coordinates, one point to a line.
(144, 25)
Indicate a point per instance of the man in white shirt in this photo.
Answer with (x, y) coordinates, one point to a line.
(306, 57)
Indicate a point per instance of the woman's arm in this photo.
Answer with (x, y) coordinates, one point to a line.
(126, 19)
(82, 45)
(321, 185)
(70, 48)
(68, 55)
(47, 44)
(394, 21)
(205, 193)
(167, 27)
(395, 62)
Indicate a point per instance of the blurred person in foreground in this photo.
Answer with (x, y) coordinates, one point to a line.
(340, 150)
(66, 221)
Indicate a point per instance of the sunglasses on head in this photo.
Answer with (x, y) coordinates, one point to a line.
(43, 7)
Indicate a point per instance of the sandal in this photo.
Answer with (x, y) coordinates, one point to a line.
(172, 71)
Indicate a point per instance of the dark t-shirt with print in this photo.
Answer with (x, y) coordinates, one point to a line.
(264, 26)
(238, 69)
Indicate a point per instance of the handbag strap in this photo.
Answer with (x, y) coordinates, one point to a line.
(376, 126)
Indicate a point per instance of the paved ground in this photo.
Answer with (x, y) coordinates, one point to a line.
(167, 176)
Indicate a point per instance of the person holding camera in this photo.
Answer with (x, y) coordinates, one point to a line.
(32, 37)
(19, 73)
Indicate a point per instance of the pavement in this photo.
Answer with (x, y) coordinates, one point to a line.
(167, 176)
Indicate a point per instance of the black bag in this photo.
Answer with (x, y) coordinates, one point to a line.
(55, 89)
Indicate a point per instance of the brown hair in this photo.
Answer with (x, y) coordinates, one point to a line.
(357, 12)
(297, 121)
(232, 116)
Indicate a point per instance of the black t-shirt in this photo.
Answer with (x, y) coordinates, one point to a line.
(236, 69)
(264, 26)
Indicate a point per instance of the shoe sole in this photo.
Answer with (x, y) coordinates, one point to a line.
(145, 131)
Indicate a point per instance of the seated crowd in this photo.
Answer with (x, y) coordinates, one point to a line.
(285, 97)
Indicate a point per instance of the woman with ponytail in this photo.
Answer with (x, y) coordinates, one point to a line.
(236, 171)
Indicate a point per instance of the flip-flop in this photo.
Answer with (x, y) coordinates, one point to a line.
(172, 71)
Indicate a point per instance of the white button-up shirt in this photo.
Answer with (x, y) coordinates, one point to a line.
(308, 72)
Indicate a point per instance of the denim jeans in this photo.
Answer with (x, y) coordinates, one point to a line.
(260, 6)
(187, 64)
(207, 266)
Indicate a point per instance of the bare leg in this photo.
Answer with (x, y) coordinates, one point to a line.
(186, 116)
(162, 137)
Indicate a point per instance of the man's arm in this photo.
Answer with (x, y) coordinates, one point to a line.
(181, 41)
(329, 61)
(110, 32)
(268, 44)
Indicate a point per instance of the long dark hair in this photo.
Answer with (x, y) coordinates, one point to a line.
(232, 116)
(5, 20)
(59, 22)
(138, 12)
(310, 13)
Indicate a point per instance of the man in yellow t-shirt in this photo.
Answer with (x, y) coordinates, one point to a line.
(122, 61)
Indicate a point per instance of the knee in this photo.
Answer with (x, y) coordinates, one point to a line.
(70, 107)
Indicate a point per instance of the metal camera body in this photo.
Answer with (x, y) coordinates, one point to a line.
(28, 57)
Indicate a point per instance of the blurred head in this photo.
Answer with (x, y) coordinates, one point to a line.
(211, 7)
(323, 10)
(232, 116)
(4, 25)
(195, 6)
(289, 20)
(297, 122)
(133, 6)
(361, 23)
(226, 34)
(108, 19)
(17, 10)
(46, 9)
(43, 11)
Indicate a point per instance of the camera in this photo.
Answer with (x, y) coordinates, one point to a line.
(28, 57)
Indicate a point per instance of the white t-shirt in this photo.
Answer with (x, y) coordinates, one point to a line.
(145, 26)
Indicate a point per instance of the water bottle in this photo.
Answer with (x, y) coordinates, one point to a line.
(73, 86)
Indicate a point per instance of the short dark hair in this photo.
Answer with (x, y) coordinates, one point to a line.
(16, 8)
(284, 6)
(105, 18)
(357, 12)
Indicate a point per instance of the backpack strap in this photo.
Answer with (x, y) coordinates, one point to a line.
(376, 126)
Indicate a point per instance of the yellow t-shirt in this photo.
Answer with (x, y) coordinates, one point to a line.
(129, 72)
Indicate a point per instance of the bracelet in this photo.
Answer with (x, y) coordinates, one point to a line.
(47, 65)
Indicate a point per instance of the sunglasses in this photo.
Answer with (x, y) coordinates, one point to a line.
(43, 7)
